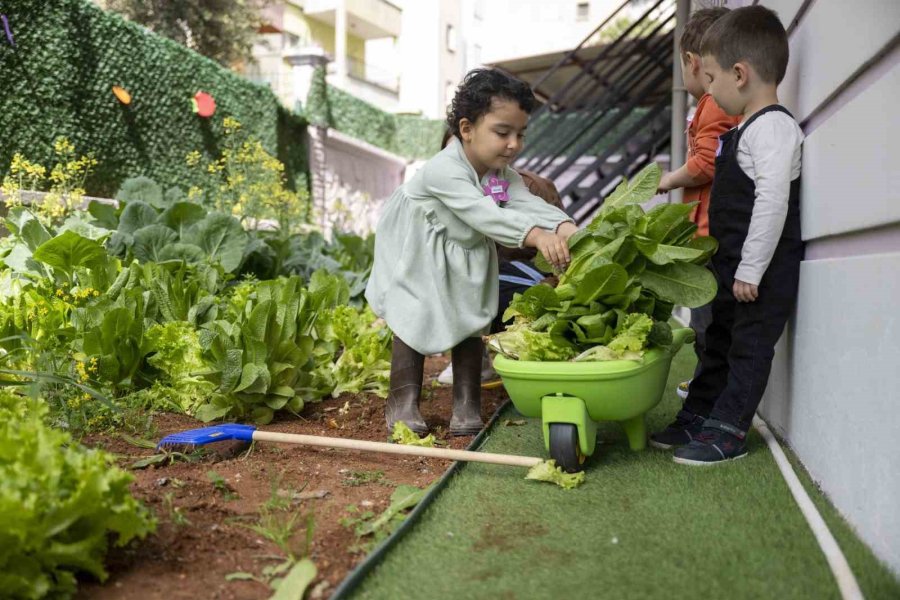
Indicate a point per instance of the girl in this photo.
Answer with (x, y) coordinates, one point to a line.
(435, 277)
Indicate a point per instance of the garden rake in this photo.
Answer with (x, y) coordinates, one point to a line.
(247, 433)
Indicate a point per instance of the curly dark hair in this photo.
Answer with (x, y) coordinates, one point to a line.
(474, 96)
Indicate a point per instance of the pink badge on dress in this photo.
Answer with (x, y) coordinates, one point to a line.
(496, 189)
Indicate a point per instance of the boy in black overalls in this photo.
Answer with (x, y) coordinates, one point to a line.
(755, 215)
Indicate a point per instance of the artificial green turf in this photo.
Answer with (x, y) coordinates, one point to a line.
(640, 527)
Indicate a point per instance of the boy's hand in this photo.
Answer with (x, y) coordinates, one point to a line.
(745, 292)
(665, 184)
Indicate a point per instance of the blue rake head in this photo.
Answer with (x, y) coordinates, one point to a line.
(208, 435)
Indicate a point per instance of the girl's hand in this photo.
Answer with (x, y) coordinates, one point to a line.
(552, 246)
(745, 292)
(566, 230)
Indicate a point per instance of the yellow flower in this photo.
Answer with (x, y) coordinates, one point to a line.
(62, 145)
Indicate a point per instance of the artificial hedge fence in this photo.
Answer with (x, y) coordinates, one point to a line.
(409, 136)
(56, 80)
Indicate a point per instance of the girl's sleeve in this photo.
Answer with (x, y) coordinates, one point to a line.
(521, 200)
(453, 186)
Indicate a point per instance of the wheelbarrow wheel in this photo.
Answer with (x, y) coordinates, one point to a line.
(564, 447)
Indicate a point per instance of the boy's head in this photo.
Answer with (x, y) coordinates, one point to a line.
(694, 29)
(744, 54)
(489, 114)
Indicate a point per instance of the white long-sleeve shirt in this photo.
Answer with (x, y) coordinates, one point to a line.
(769, 153)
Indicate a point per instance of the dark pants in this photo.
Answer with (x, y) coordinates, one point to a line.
(700, 320)
(740, 345)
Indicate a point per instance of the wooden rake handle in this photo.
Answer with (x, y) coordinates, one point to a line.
(366, 446)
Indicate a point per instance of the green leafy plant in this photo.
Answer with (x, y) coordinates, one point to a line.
(281, 524)
(629, 269)
(402, 434)
(58, 504)
(358, 478)
(259, 360)
(221, 486)
(371, 529)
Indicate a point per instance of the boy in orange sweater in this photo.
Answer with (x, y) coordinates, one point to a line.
(696, 175)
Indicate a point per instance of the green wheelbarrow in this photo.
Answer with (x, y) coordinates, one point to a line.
(570, 397)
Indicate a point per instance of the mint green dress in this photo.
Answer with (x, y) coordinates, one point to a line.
(435, 278)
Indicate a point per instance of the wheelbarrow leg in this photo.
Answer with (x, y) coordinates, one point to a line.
(636, 430)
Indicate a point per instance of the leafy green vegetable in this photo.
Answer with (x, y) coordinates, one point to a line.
(70, 250)
(293, 585)
(404, 435)
(549, 472)
(58, 503)
(629, 269)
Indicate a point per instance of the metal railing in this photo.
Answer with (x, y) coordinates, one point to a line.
(608, 118)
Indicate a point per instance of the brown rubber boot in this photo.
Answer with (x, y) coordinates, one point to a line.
(406, 386)
(467, 357)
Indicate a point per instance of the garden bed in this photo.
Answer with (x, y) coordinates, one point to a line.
(202, 537)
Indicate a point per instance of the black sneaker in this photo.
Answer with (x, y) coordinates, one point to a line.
(685, 428)
(718, 442)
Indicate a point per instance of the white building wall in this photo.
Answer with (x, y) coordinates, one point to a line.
(835, 385)
(516, 28)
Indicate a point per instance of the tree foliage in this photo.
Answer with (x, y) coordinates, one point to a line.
(223, 30)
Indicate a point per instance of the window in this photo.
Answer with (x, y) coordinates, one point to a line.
(451, 38)
(582, 11)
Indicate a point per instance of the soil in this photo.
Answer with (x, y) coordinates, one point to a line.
(202, 534)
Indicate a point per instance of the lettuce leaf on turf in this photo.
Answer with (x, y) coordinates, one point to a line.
(549, 472)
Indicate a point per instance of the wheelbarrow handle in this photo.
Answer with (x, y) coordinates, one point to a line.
(682, 336)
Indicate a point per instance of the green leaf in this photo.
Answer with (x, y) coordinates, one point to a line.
(135, 216)
(70, 250)
(105, 214)
(21, 260)
(34, 234)
(404, 435)
(261, 415)
(685, 284)
(639, 189)
(255, 379)
(549, 472)
(403, 498)
(707, 245)
(211, 412)
(294, 585)
(605, 280)
(141, 189)
(181, 215)
(189, 253)
(665, 220)
(151, 241)
(221, 237)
